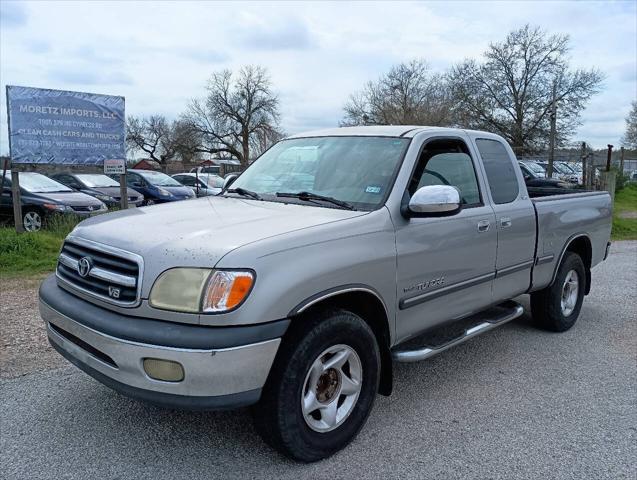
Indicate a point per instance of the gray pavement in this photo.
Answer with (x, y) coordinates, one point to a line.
(514, 403)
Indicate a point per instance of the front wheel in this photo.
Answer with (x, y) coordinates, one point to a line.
(32, 220)
(321, 388)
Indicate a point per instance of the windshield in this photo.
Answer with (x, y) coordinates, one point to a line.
(214, 181)
(567, 168)
(356, 170)
(535, 168)
(159, 179)
(559, 168)
(38, 183)
(96, 181)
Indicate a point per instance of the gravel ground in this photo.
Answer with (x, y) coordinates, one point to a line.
(514, 403)
(23, 345)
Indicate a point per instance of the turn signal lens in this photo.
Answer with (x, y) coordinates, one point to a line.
(226, 290)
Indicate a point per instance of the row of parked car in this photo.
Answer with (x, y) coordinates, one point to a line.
(85, 194)
(535, 173)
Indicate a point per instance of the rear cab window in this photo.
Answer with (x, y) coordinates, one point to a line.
(498, 165)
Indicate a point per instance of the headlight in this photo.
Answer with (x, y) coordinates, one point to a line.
(57, 208)
(105, 198)
(164, 192)
(200, 290)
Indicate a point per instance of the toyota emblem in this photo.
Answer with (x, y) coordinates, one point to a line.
(84, 266)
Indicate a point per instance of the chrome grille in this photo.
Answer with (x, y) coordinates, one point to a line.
(109, 273)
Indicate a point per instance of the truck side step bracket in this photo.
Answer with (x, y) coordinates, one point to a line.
(435, 341)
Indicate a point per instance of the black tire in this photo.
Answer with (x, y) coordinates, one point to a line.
(546, 304)
(279, 417)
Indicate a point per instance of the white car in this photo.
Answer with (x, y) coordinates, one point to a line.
(203, 184)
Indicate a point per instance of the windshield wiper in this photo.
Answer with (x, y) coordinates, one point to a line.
(309, 196)
(244, 192)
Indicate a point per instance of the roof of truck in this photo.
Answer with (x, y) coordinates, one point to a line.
(407, 131)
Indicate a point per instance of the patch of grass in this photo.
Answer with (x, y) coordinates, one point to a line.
(32, 253)
(625, 202)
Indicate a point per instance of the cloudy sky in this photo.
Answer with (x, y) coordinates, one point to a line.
(159, 55)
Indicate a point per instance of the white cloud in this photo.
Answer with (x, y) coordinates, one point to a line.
(159, 55)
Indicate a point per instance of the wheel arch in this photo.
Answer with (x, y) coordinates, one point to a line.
(582, 246)
(365, 302)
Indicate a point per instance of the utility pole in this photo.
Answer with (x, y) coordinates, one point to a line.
(584, 164)
(621, 160)
(553, 118)
(608, 157)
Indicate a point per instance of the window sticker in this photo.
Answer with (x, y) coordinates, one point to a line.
(373, 189)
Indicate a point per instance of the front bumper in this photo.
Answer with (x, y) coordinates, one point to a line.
(111, 348)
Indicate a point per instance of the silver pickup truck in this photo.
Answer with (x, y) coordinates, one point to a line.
(334, 254)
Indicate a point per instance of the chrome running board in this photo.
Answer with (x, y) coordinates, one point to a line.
(422, 347)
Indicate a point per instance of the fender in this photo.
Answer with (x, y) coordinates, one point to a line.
(567, 244)
(331, 292)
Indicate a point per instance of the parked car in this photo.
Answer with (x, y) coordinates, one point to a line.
(572, 175)
(157, 187)
(202, 184)
(561, 171)
(99, 186)
(410, 241)
(42, 197)
(209, 169)
(537, 183)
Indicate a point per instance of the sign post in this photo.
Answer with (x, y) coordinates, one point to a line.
(17, 201)
(118, 167)
(57, 127)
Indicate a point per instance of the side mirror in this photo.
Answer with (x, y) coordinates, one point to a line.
(228, 180)
(434, 201)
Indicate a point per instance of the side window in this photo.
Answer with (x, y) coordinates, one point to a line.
(133, 180)
(188, 181)
(447, 162)
(503, 182)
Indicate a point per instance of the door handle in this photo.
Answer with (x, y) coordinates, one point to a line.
(505, 222)
(483, 226)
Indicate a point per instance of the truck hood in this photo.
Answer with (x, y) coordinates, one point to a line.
(200, 232)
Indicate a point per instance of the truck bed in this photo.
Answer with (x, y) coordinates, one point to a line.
(563, 217)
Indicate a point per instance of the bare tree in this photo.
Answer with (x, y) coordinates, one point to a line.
(630, 137)
(159, 139)
(236, 111)
(409, 94)
(510, 93)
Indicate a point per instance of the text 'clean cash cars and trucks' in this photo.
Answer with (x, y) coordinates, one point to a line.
(297, 287)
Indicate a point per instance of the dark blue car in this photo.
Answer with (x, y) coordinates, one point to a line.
(157, 187)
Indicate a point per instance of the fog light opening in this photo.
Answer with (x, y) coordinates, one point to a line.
(164, 370)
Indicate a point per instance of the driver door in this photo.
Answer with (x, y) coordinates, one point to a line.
(445, 265)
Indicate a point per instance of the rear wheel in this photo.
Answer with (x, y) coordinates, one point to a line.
(557, 307)
(321, 388)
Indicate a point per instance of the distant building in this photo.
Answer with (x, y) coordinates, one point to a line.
(147, 164)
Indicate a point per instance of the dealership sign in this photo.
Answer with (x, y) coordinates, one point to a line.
(60, 127)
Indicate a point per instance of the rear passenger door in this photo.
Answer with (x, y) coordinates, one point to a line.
(515, 218)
